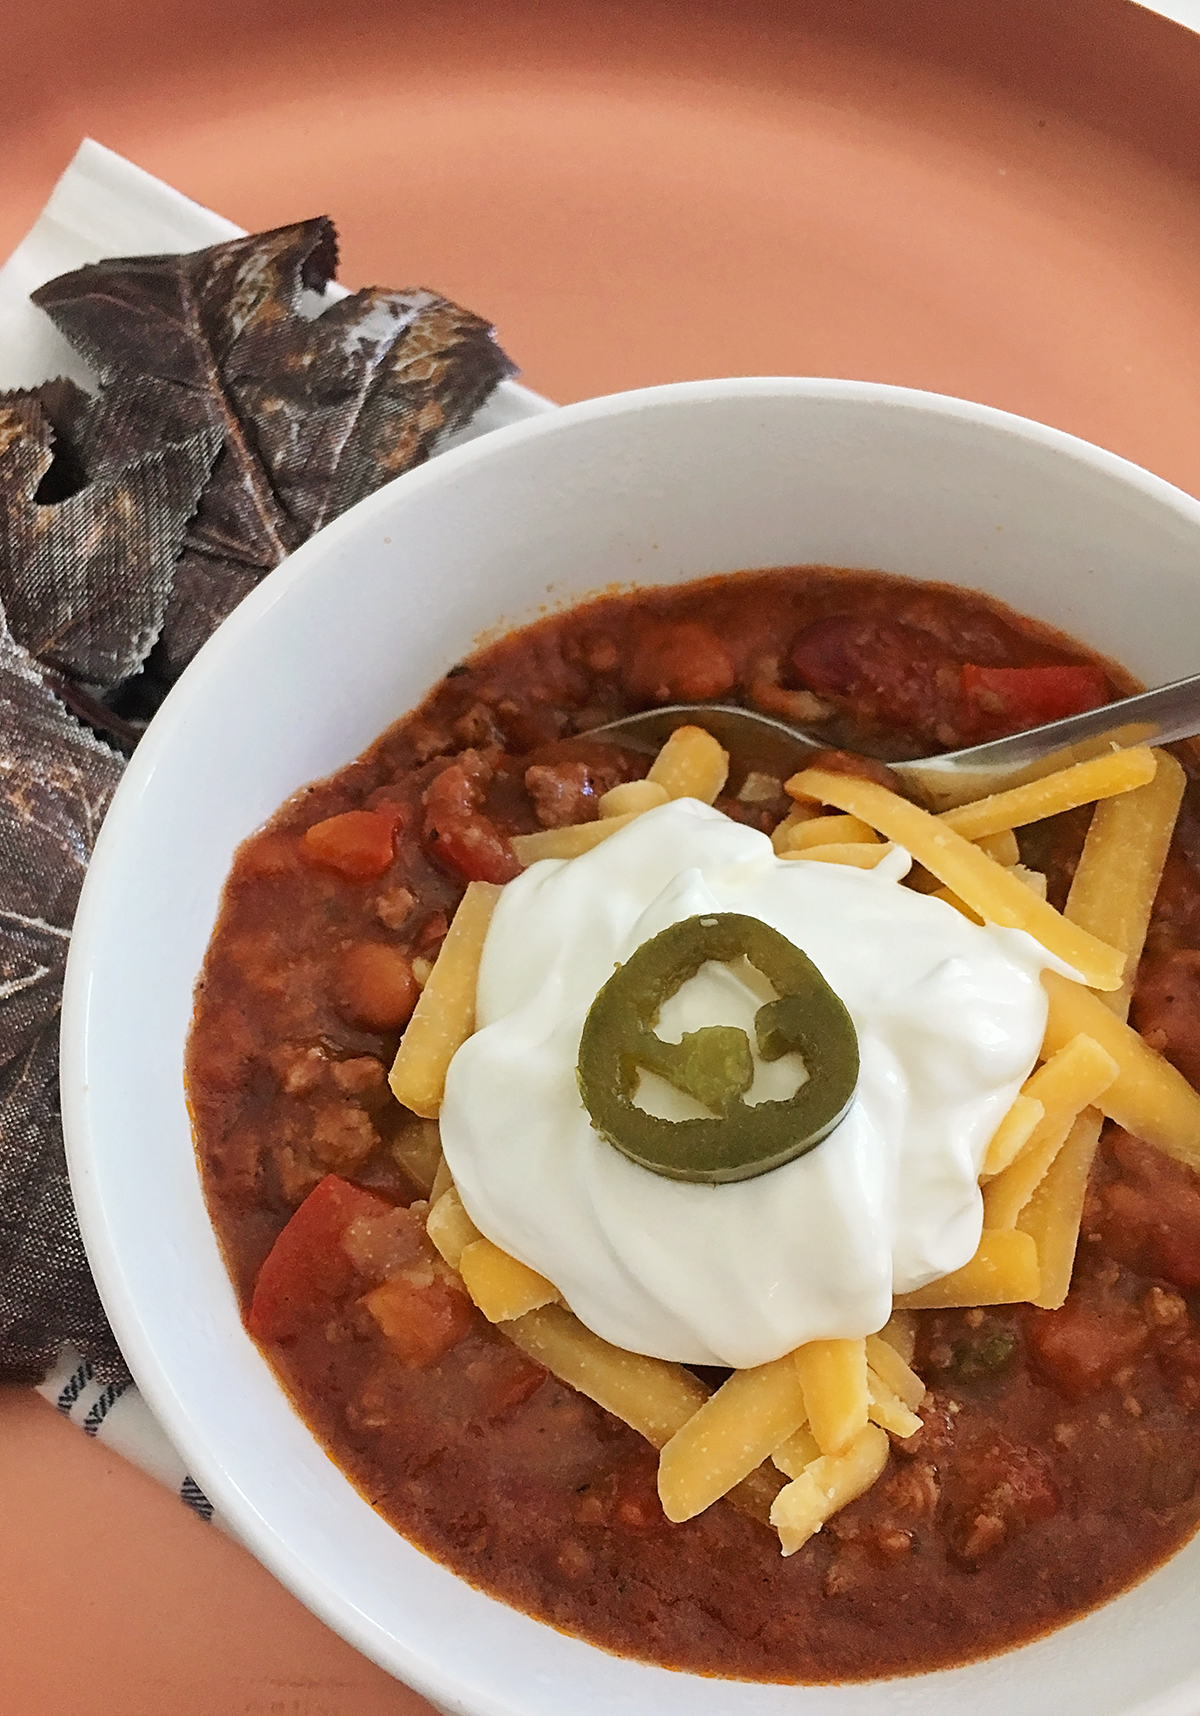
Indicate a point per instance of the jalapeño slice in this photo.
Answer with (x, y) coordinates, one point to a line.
(715, 1065)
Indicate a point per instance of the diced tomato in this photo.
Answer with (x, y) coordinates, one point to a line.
(1078, 1350)
(307, 1271)
(421, 1314)
(358, 844)
(1010, 699)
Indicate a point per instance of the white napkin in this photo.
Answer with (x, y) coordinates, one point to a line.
(105, 206)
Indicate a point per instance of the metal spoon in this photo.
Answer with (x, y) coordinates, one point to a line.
(775, 747)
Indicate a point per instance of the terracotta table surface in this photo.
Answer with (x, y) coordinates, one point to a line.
(114, 1596)
(999, 200)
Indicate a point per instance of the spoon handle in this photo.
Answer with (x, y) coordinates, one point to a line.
(1151, 718)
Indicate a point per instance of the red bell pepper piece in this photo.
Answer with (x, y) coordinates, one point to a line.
(1011, 699)
(307, 1270)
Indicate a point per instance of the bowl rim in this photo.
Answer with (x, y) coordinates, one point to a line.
(433, 1676)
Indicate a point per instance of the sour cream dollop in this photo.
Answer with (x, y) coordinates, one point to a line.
(950, 1018)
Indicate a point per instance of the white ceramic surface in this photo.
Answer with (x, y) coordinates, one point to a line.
(659, 486)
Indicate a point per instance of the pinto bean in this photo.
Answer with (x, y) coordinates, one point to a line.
(421, 1314)
(358, 844)
(678, 662)
(375, 987)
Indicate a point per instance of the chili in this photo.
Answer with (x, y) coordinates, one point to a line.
(1059, 1455)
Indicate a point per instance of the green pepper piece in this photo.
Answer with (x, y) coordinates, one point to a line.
(715, 1065)
(985, 1353)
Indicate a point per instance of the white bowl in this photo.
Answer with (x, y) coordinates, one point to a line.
(653, 487)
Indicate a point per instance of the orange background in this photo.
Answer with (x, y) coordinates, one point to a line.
(999, 200)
